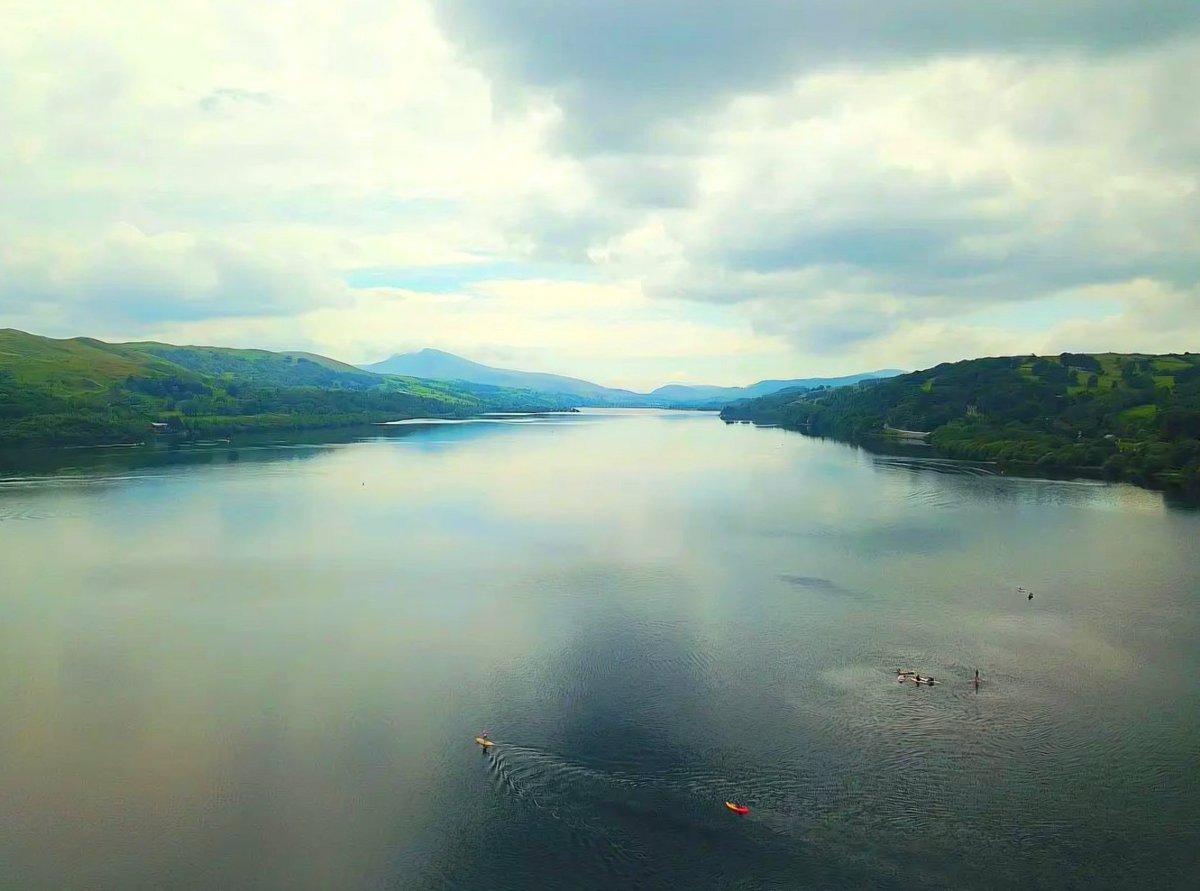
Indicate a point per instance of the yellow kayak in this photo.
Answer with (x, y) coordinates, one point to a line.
(486, 743)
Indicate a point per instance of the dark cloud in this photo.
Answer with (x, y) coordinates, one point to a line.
(924, 258)
(545, 232)
(620, 68)
(645, 182)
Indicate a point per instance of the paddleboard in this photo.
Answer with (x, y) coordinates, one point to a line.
(486, 743)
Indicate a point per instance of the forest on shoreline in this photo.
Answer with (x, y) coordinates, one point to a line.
(1132, 417)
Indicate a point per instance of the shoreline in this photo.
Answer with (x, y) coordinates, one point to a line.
(222, 434)
(1016, 469)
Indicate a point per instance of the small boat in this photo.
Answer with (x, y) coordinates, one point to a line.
(737, 808)
(486, 743)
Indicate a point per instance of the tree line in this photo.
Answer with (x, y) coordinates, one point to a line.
(1119, 416)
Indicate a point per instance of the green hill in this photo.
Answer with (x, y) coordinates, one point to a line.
(84, 391)
(262, 367)
(1123, 416)
(78, 365)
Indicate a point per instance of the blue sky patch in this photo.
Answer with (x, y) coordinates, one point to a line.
(454, 278)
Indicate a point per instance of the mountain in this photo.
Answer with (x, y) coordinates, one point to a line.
(689, 393)
(439, 365)
(86, 391)
(1119, 415)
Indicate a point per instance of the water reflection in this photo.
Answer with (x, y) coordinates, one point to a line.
(267, 672)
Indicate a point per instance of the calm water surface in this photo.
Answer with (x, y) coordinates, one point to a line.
(263, 668)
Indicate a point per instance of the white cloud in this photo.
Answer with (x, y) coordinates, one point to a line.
(1155, 316)
(125, 277)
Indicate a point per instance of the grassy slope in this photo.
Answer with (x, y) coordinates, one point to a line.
(78, 365)
(1128, 416)
(260, 366)
(85, 391)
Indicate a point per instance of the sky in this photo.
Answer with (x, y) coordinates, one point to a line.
(630, 192)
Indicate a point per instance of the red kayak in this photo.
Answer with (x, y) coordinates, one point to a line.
(737, 808)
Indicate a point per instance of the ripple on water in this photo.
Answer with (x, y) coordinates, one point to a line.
(30, 511)
(592, 805)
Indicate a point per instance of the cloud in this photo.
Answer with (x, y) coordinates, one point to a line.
(127, 278)
(1139, 315)
(227, 99)
(623, 67)
(1158, 317)
(211, 161)
(851, 203)
(202, 114)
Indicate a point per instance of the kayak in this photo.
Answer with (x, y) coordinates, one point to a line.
(737, 808)
(486, 743)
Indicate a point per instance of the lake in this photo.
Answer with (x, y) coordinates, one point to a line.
(263, 667)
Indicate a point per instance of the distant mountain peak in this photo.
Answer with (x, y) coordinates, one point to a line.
(440, 365)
